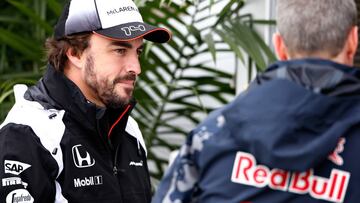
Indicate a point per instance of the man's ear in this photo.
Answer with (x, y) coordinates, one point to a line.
(75, 59)
(352, 43)
(280, 48)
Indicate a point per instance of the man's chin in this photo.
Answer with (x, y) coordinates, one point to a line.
(123, 100)
(116, 104)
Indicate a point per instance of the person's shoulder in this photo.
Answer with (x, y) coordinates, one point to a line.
(30, 112)
(33, 115)
(133, 129)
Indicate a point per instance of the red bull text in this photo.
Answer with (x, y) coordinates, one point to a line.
(246, 171)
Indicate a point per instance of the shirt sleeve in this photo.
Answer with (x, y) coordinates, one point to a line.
(27, 169)
(180, 182)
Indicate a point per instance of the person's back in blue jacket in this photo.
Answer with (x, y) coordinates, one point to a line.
(292, 136)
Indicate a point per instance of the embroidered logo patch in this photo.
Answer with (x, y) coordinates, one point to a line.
(13, 181)
(335, 156)
(133, 163)
(81, 157)
(15, 167)
(88, 181)
(247, 172)
(19, 196)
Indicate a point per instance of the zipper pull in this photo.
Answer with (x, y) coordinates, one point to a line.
(115, 170)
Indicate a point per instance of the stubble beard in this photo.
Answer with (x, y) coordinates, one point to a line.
(105, 89)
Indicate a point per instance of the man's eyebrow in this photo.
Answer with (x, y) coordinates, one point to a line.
(124, 44)
(121, 44)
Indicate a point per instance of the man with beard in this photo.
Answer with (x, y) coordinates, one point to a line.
(293, 136)
(70, 138)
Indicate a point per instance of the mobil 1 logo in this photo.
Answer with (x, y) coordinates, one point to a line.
(88, 181)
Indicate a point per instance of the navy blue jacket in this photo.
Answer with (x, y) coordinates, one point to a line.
(291, 138)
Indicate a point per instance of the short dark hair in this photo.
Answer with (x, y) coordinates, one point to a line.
(56, 49)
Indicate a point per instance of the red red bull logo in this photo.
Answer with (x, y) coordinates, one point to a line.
(335, 156)
(247, 172)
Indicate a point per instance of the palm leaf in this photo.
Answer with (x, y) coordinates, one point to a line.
(26, 46)
(171, 98)
(35, 17)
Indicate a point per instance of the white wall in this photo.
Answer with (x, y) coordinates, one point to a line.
(260, 10)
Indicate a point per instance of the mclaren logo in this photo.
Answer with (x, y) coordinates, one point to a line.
(133, 163)
(81, 157)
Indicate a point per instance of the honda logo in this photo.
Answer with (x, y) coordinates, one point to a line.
(81, 157)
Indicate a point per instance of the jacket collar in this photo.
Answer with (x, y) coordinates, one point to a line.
(62, 93)
(319, 75)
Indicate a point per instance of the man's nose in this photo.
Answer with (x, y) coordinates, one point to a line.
(133, 65)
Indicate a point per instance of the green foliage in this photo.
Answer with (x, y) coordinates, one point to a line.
(24, 26)
(179, 84)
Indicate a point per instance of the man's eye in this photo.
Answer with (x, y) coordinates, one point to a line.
(139, 52)
(120, 51)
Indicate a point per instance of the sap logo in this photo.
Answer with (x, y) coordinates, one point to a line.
(13, 181)
(15, 167)
(88, 181)
(19, 196)
(81, 157)
(132, 28)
